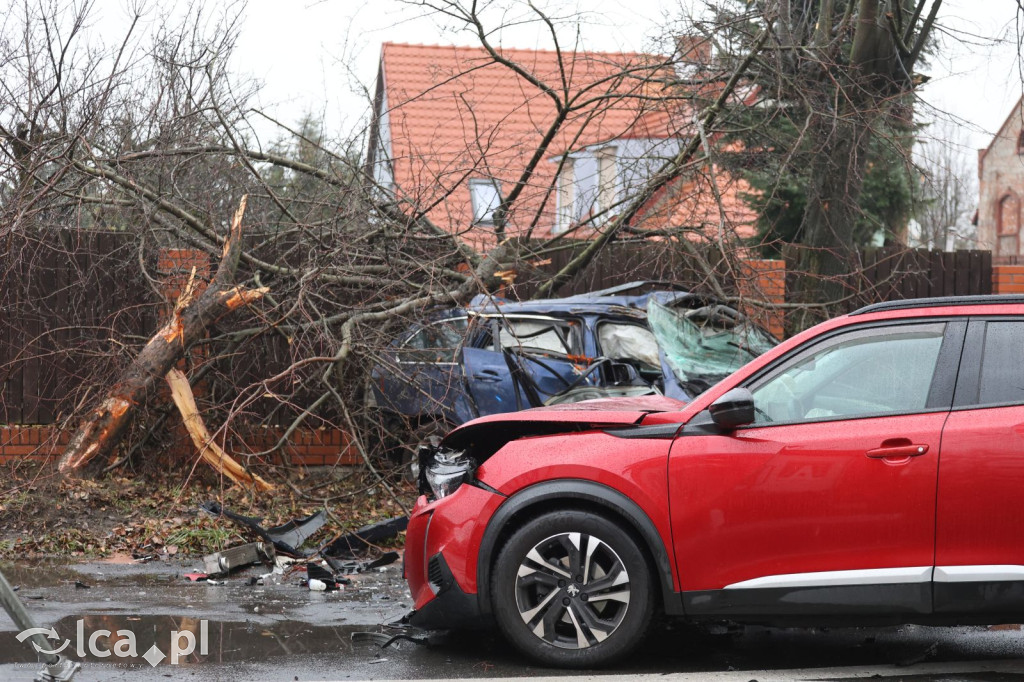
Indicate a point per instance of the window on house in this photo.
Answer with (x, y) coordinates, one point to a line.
(486, 197)
(1020, 143)
(1008, 226)
(607, 178)
(566, 196)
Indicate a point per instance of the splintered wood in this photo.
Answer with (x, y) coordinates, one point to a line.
(211, 453)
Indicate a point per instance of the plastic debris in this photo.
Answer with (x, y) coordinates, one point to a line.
(287, 537)
(385, 640)
(350, 545)
(317, 585)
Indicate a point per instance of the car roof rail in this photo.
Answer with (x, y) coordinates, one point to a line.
(940, 302)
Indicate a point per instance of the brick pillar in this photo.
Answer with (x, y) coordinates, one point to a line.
(1008, 279)
(765, 280)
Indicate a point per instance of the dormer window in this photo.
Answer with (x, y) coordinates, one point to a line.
(486, 197)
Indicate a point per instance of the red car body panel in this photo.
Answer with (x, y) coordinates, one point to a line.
(753, 504)
(980, 486)
(452, 528)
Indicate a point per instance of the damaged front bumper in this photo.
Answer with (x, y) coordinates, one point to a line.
(450, 608)
(441, 554)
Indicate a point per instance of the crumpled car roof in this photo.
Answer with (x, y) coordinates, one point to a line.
(614, 300)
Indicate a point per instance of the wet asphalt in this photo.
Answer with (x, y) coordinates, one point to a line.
(286, 632)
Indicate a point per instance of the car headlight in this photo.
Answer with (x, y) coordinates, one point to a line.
(447, 471)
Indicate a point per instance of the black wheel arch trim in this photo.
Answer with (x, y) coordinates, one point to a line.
(577, 489)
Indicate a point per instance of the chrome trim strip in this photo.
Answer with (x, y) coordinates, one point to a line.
(978, 574)
(869, 576)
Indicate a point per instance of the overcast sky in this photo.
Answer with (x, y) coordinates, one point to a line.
(313, 55)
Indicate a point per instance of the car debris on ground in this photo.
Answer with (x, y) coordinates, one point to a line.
(325, 567)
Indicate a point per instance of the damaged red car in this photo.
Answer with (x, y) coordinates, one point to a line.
(805, 488)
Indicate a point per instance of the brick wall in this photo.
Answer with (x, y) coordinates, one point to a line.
(307, 447)
(1008, 279)
(765, 280)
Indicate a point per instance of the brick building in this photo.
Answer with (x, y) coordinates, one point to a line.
(1001, 190)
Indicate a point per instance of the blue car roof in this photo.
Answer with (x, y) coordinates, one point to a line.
(593, 302)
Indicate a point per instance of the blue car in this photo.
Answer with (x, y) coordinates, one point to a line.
(497, 356)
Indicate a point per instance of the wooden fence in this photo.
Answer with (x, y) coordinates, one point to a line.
(892, 273)
(74, 306)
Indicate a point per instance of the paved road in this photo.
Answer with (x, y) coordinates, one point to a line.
(284, 632)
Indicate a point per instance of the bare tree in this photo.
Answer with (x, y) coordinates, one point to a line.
(151, 139)
(948, 189)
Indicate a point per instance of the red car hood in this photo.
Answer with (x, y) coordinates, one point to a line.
(487, 434)
(599, 412)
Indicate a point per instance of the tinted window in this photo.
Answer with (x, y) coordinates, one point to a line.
(867, 372)
(1002, 372)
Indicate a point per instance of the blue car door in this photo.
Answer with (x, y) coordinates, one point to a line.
(518, 361)
(423, 378)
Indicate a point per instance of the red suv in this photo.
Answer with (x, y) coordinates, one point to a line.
(805, 488)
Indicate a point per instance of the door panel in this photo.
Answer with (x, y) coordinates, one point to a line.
(826, 504)
(539, 349)
(979, 553)
(802, 498)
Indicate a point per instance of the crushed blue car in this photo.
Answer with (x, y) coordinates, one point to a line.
(497, 356)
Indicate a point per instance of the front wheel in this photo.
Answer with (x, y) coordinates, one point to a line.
(572, 589)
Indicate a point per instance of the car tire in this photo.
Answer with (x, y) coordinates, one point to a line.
(562, 617)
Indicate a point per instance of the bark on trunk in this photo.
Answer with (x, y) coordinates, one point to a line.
(99, 433)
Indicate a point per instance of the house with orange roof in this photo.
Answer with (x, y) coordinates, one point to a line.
(455, 127)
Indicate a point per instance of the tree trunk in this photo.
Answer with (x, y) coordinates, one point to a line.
(100, 432)
(827, 250)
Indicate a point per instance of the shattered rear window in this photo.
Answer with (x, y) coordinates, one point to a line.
(704, 345)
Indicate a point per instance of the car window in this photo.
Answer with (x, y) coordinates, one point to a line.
(628, 342)
(436, 342)
(1002, 372)
(547, 336)
(867, 372)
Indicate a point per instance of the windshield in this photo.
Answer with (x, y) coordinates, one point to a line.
(704, 345)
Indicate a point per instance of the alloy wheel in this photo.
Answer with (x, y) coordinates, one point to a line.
(572, 590)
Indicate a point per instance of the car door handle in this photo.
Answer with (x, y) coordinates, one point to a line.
(488, 375)
(897, 451)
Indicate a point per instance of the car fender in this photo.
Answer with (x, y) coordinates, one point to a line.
(539, 496)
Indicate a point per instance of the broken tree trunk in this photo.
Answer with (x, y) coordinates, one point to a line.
(181, 393)
(100, 431)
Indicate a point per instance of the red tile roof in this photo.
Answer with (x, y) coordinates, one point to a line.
(456, 114)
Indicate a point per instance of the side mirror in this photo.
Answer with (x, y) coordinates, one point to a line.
(735, 408)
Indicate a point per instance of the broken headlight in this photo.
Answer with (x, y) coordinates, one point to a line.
(446, 470)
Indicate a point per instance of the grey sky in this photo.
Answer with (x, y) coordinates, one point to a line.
(313, 55)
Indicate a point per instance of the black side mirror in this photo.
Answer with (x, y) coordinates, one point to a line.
(735, 408)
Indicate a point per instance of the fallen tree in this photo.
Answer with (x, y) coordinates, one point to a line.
(101, 430)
